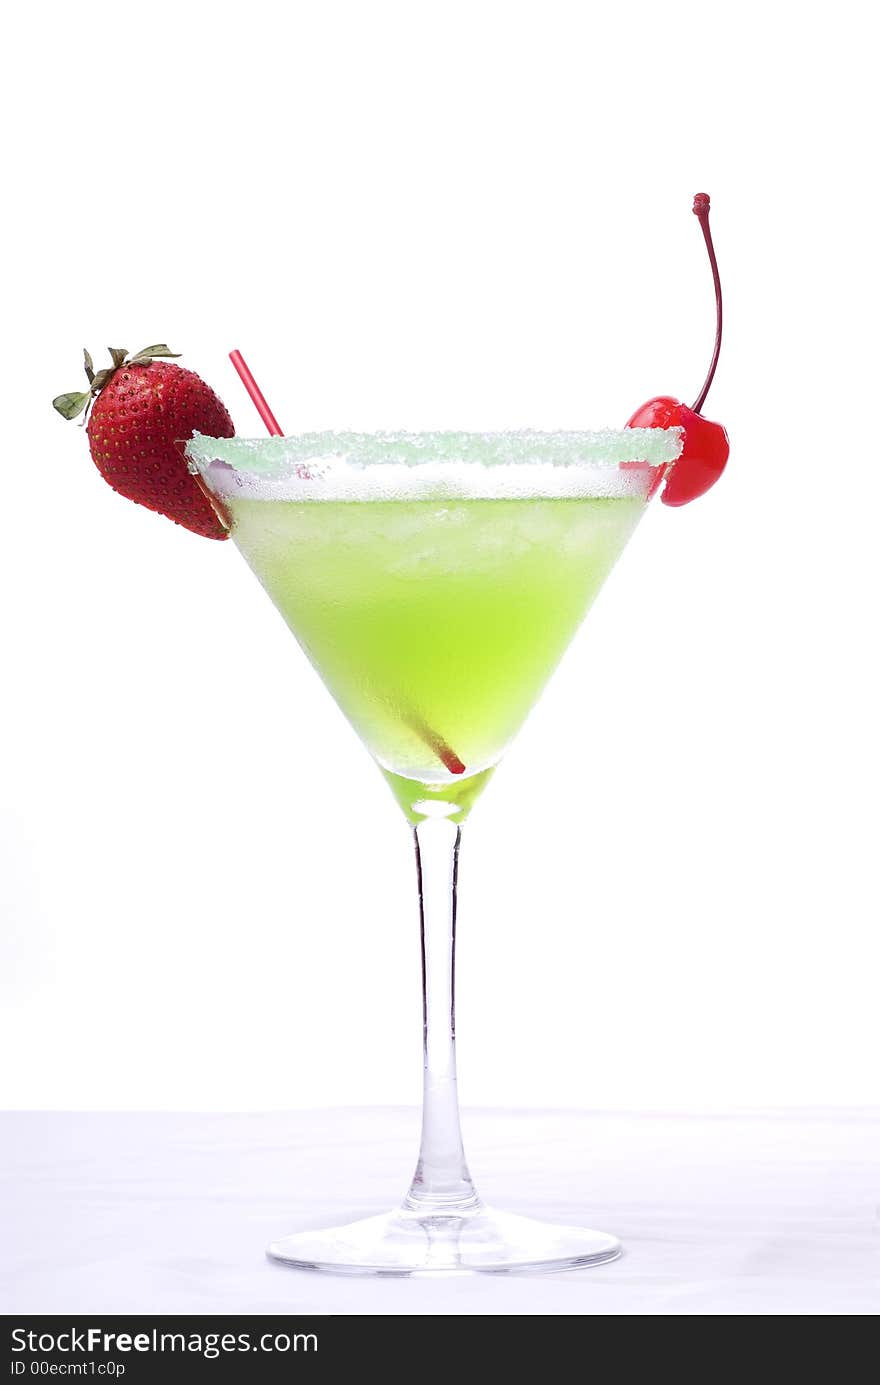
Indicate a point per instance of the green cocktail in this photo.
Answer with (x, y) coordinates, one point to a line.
(434, 624)
(436, 617)
(434, 582)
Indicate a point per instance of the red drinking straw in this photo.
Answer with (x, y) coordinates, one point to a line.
(444, 752)
(441, 749)
(256, 394)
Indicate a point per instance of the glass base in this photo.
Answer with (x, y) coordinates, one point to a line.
(480, 1241)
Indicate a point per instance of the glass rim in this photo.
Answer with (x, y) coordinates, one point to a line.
(292, 454)
(316, 467)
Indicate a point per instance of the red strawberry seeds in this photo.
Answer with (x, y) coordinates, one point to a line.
(143, 408)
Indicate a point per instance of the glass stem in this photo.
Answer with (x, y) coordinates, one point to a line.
(441, 1184)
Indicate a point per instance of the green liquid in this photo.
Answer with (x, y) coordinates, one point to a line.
(434, 623)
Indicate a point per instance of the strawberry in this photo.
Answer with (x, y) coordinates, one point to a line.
(141, 410)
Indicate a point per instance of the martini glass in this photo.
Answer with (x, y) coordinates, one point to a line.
(434, 581)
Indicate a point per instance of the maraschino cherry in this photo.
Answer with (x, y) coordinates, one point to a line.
(705, 451)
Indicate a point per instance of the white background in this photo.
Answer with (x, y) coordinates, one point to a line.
(427, 215)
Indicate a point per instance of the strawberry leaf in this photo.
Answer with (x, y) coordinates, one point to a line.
(118, 354)
(101, 379)
(90, 365)
(69, 405)
(150, 353)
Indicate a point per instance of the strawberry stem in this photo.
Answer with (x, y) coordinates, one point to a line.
(701, 211)
(80, 401)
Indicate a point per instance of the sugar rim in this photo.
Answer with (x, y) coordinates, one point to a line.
(314, 467)
(289, 455)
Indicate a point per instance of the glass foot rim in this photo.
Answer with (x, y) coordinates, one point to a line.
(403, 1243)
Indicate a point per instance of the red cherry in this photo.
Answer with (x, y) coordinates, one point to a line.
(703, 458)
(705, 447)
(704, 452)
(662, 412)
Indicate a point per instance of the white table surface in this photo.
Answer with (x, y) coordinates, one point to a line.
(772, 1213)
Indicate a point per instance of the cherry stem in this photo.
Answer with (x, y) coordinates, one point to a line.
(701, 211)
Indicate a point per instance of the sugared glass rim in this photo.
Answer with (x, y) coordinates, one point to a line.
(603, 447)
(402, 465)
